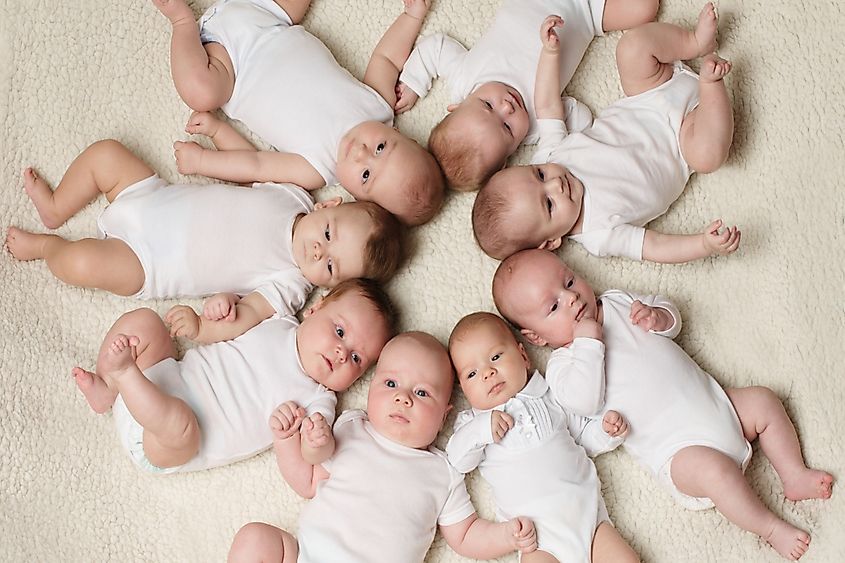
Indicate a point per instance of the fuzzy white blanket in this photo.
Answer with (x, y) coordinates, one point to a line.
(75, 72)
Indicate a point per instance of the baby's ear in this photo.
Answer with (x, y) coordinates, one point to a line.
(452, 107)
(333, 202)
(524, 355)
(532, 337)
(552, 244)
(445, 414)
(313, 308)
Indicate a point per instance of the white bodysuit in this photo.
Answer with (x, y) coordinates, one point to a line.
(508, 52)
(382, 501)
(289, 89)
(233, 387)
(629, 161)
(540, 468)
(195, 240)
(668, 400)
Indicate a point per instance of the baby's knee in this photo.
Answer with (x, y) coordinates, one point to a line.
(257, 541)
(107, 147)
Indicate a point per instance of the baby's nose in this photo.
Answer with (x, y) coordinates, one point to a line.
(318, 251)
(341, 354)
(402, 397)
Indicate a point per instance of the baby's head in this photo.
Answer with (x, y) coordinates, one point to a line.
(526, 207)
(377, 163)
(344, 332)
(410, 391)
(542, 297)
(341, 241)
(478, 135)
(491, 365)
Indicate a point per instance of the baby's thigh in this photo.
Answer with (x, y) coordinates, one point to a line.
(538, 556)
(258, 541)
(155, 341)
(609, 546)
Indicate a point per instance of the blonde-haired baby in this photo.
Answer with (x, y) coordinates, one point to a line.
(600, 186)
(386, 489)
(531, 448)
(210, 408)
(491, 85)
(269, 242)
(689, 433)
(250, 58)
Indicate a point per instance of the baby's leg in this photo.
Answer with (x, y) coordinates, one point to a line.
(99, 264)
(257, 542)
(762, 416)
(106, 167)
(538, 556)
(625, 14)
(645, 54)
(295, 9)
(154, 345)
(704, 472)
(203, 74)
(707, 131)
(610, 547)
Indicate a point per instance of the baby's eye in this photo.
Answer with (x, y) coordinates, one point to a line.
(549, 204)
(541, 174)
(421, 393)
(356, 358)
(328, 234)
(488, 104)
(339, 331)
(379, 148)
(390, 383)
(495, 357)
(471, 374)
(508, 126)
(554, 307)
(570, 283)
(365, 175)
(330, 266)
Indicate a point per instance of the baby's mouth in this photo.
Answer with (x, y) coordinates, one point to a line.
(496, 388)
(328, 363)
(581, 311)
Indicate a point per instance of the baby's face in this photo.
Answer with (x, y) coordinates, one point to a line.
(544, 296)
(376, 163)
(492, 366)
(545, 196)
(337, 341)
(329, 243)
(410, 391)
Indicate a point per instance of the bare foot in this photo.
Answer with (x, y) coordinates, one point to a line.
(100, 398)
(120, 357)
(705, 30)
(25, 245)
(810, 483)
(713, 68)
(177, 11)
(42, 196)
(788, 540)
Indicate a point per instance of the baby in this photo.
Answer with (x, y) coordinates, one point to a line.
(385, 489)
(250, 58)
(530, 448)
(210, 408)
(163, 240)
(688, 432)
(492, 84)
(600, 186)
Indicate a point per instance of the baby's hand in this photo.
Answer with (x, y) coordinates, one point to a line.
(188, 156)
(523, 534)
(648, 318)
(588, 327)
(183, 321)
(405, 98)
(551, 42)
(221, 307)
(417, 8)
(202, 123)
(316, 431)
(723, 243)
(286, 420)
(500, 423)
(614, 424)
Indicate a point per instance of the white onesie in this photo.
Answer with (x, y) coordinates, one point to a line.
(540, 468)
(195, 240)
(508, 51)
(232, 387)
(289, 89)
(629, 161)
(382, 501)
(669, 401)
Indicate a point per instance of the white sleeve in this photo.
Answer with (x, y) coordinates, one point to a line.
(286, 292)
(323, 402)
(663, 303)
(588, 433)
(340, 428)
(434, 56)
(575, 375)
(458, 506)
(551, 133)
(465, 448)
(621, 240)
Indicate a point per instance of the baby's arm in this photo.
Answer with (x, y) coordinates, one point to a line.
(434, 56)
(221, 133)
(465, 448)
(598, 437)
(249, 311)
(547, 100)
(575, 373)
(675, 249)
(477, 538)
(301, 475)
(244, 166)
(393, 49)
